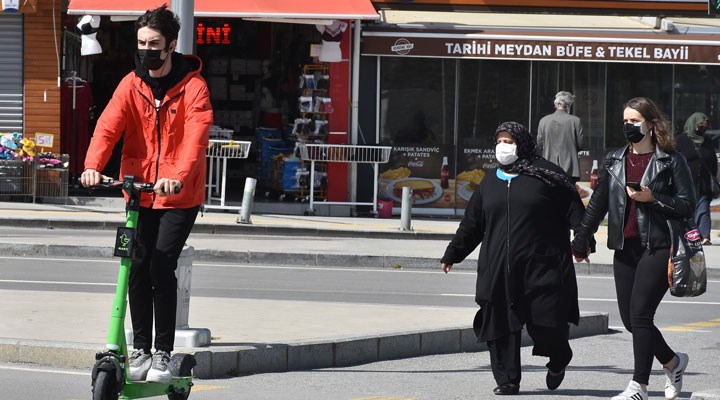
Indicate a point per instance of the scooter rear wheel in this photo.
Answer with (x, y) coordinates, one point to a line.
(104, 387)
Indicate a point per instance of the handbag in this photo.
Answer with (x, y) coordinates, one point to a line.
(687, 274)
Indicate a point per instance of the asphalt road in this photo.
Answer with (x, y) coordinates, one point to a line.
(601, 368)
(383, 286)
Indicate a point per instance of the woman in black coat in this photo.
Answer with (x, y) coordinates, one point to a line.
(700, 154)
(525, 275)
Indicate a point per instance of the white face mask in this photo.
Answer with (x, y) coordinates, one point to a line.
(505, 153)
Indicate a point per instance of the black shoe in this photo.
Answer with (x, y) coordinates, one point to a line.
(507, 388)
(554, 380)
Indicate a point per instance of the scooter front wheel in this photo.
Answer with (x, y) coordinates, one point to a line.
(179, 396)
(181, 365)
(105, 386)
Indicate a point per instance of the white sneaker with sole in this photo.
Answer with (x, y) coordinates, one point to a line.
(633, 392)
(674, 378)
(139, 364)
(159, 371)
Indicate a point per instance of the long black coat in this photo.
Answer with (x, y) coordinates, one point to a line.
(701, 160)
(525, 270)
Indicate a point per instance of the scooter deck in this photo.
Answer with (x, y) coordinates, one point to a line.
(137, 390)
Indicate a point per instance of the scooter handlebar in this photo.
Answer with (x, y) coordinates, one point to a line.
(110, 183)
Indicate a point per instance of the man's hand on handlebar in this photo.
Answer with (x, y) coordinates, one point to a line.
(91, 177)
(167, 187)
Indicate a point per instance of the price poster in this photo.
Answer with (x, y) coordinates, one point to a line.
(44, 139)
(474, 164)
(426, 170)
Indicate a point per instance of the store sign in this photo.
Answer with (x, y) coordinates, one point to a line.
(213, 35)
(10, 5)
(685, 51)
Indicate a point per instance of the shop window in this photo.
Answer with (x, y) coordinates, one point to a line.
(417, 101)
(587, 82)
(491, 92)
(697, 89)
(252, 70)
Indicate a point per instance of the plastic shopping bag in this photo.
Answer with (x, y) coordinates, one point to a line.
(687, 276)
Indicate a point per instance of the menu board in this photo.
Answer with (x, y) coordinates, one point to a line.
(427, 170)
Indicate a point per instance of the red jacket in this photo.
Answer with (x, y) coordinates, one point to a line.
(169, 142)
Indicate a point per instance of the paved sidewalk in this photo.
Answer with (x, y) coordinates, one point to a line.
(294, 334)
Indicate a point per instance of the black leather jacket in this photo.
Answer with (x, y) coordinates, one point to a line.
(669, 178)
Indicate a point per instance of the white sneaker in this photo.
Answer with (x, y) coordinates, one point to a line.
(633, 392)
(139, 364)
(674, 378)
(159, 371)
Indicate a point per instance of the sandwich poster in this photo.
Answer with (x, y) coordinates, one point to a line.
(427, 170)
(474, 163)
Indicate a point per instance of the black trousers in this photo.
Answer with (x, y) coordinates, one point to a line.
(548, 342)
(161, 235)
(641, 283)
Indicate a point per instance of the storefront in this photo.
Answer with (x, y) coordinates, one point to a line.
(442, 82)
(30, 164)
(277, 73)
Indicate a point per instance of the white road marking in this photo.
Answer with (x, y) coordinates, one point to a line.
(45, 371)
(56, 282)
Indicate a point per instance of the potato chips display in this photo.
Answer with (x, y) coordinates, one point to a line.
(474, 176)
(397, 173)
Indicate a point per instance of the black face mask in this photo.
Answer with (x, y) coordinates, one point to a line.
(700, 130)
(633, 133)
(150, 59)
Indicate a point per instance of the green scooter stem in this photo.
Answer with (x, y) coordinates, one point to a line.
(116, 334)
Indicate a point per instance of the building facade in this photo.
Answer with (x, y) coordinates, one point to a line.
(438, 80)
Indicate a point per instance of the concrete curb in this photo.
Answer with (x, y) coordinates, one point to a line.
(711, 394)
(238, 229)
(225, 361)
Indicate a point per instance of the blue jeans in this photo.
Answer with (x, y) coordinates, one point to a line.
(702, 216)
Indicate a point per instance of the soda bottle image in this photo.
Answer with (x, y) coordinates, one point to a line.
(594, 175)
(444, 174)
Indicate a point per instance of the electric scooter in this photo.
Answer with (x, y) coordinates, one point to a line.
(110, 377)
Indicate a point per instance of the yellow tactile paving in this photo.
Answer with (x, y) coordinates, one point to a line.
(705, 324)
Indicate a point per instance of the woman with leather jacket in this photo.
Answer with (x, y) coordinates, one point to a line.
(642, 185)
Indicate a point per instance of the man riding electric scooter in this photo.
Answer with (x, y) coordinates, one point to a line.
(163, 110)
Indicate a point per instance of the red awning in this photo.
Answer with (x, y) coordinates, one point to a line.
(113, 7)
(275, 9)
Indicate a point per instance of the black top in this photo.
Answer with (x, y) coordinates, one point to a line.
(701, 160)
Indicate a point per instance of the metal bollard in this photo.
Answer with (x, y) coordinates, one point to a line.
(247, 201)
(184, 335)
(406, 210)
(183, 273)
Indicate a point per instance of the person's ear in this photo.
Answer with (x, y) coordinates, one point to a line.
(172, 46)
